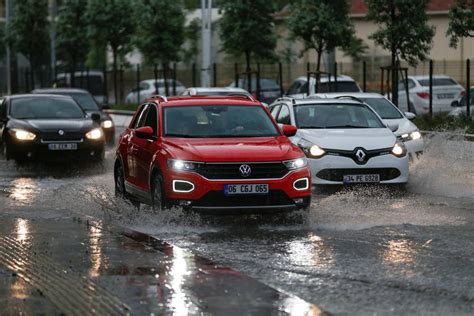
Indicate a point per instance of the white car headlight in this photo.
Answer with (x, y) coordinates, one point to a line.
(23, 135)
(311, 150)
(295, 163)
(415, 135)
(107, 124)
(96, 133)
(181, 165)
(399, 150)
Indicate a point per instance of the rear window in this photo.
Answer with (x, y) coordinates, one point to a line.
(438, 82)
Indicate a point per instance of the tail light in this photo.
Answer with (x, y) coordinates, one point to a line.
(463, 93)
(423, 95)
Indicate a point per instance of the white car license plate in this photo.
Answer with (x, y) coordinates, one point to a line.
(445, 96)
(230, 189)
(361, 178)
(62, 146)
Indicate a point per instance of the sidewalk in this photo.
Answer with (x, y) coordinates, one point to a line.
(80, 268)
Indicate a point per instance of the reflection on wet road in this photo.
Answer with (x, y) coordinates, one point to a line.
(358, 251)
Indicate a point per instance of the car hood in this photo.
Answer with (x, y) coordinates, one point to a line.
(348, 139)
(79, 125)
(404, 126)
(233, 150)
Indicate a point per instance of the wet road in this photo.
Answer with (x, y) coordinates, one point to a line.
(360, 251)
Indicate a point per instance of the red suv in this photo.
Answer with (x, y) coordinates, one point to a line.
(208, 153)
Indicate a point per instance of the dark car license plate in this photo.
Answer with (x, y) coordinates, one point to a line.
(71, 146)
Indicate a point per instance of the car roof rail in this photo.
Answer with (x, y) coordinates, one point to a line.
(312, 96)
(285, 98)
(350, 97)
(162, 97)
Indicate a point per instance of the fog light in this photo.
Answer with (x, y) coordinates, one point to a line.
(301, 184)
(182, 186)
(184, 203)
(298, 201)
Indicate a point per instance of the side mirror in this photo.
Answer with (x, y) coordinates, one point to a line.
(410, 115)
(144, 132)
(392, 126)
(289, 130)
(95, 117)
(105, 107)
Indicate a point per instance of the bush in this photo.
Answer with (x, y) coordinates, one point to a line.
(124, 106)
(445, 122)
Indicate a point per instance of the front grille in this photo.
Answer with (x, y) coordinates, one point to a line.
(55, 137)
(271, 170)
(337, 174)
(219, 199)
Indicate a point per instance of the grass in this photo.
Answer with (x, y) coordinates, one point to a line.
(444, 122)
(124, 106)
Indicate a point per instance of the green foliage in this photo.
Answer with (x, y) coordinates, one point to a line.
(28, 32)
(192, 35)
(461, 21)
(112, 23)
(160, 30)
(323, 25)
(406, 33)
(247, 27)
(445, 122)
(72, 42)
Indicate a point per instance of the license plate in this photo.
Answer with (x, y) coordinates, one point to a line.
(445, 96)
(62, 146)
(361, 178)
(230, 189)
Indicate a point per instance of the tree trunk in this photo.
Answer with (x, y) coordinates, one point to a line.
(248, 71)
(114, 53)
(165, 77)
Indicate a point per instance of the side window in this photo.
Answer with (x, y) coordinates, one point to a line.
(284, 115)
(152, 118)
(294, 88)
(140, 118)
(144, 86)
(274, 110)
(401, 85)
(304, 88)
(3, 109)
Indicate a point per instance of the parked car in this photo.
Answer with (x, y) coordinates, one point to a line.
(92, 81)
(210, 153)
(215, 91)
(391, 115)
(345, 141)
(89, 105)
(269, 89)
(445, 91)
(151, 87)
(460, 105)
(299, 87)
(49, 127)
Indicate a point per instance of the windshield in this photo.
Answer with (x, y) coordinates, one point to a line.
(86, 101)
(45, 108)
(218, 121)
(383, 107)
(336, 116)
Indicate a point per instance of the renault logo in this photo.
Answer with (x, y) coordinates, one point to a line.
(245, 170)
(61, 132)
(360, 154)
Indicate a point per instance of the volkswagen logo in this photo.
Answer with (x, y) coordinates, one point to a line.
(245, 170)
(61, 132)
(360, 155)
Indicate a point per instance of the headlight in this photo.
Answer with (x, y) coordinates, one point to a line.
(181, 165)
(311, 150)
(107, 124)
(295, 163)
(415, 135)
(23, 135)
(96, 133)
(399, 150)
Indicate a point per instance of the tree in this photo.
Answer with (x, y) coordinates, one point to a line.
(111, 22)
(160, 39)
(461, 21)
(192, 34)
(28, 31)
(323, 25)
(72, 42)
(247, 27)
(403, 30)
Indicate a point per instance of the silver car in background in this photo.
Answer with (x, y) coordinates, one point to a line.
(213, 91)
(299, 87)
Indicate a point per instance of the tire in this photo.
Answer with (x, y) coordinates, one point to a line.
(120, 182)
(158, 197)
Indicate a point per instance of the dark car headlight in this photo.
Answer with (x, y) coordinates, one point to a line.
(21, 134)
(107, 124)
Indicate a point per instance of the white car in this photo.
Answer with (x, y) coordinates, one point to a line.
(212, 91)
(345, 141)
(299, 87)
(406, 132)
(151, 87)
(445, 91)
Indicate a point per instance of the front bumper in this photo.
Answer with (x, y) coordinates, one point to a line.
(209, 195)
(331, 169)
